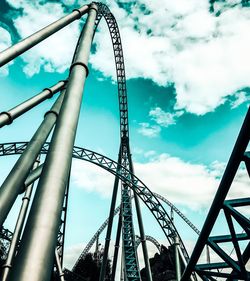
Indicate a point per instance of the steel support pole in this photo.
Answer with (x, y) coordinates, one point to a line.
(141, 227)
(177, 259)
(7, 117)
(59, 267)
(117, 245)
(184, 262)
(64, 219)
(29, 42)
(14, 182)
(18, 228)
(110, 224)
(34, 261)
(226, 181)
(96, 254)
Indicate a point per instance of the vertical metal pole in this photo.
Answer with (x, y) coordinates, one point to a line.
(141, 227)
(208, 254)
(59, 267)
(117, 245)
(184, 262)
(64, 220)
(34, 260)
(18, 228)
(110, 224)
(123, 271)
(143, 239)
(226, 181)
(14, 182)
(177, 259)
(96, 255)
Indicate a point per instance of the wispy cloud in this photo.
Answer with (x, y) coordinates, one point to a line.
(148, 130)
(240, 98)
(184, 183)
(163, 118)
(5, 42)
(206, 56)
(53, 54)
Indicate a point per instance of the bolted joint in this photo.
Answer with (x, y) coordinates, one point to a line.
(50, 92)
(65, 83)
(82, 64)
(26, 198)
(93, 8)
(51, 111)
(79, 12)
(6, 265)
(8, 115)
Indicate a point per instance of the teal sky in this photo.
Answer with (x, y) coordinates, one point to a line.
(180, 140)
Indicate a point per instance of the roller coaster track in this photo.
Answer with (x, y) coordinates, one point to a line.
(150, 239)
(117, 210)
(111, 166)
(124, 158)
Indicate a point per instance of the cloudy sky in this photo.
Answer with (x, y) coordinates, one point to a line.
(188, 68)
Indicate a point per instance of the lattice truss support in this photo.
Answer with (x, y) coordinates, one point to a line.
(150, 199)
(231, 267)
(59, 164)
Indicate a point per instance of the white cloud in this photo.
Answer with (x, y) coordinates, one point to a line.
(71, 254)
(206, 57)
(184, 183)
(5, 42)
(148, 130)
(187, 184)
(163, 118)
(240, 98)
(92, 178)
(53, 54)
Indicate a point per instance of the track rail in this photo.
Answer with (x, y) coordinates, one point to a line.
(117, 210)
(132, 181)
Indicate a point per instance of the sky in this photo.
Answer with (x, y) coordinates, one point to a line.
(187, 67)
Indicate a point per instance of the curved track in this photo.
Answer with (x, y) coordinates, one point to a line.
(117, 210)
(124, 165)
(148, 238)
(133, 182)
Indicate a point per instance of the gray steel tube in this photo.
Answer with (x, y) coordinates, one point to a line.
(18, 228)
(27, 43)
(117, 245)
(59, 267)
(34, 261)
(177, 259)
(140, 223)
(184, 262)
(7, 117)
(109, 229)
(14, 182)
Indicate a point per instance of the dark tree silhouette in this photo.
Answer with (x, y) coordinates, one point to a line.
(162, 266)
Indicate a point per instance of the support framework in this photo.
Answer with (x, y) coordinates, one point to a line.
(236, 268)
(36, 262)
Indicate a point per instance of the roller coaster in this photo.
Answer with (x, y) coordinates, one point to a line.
(29, 260)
